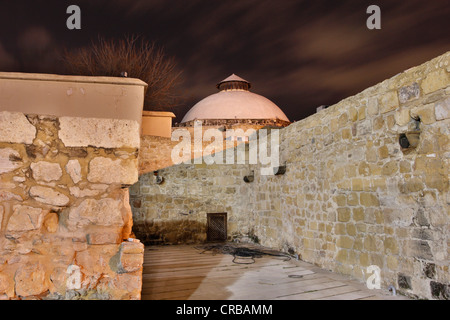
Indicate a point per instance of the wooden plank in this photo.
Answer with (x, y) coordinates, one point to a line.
(169, 260)
(318, 294)
(184, 273)
(199, 271)
(203, 270)
(190, 283)
(246, 285)
(167, 283)
(351, 296)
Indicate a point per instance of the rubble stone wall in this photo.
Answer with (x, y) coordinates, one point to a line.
(175, 211)
(353, 197)
(65, 218)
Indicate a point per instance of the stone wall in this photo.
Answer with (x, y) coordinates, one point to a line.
(156, 151)
(237, 122)
(351, 196)
(176, 211)
(65, 218)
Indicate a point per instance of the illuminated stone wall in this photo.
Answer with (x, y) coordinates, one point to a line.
(351, 196)
(65, 218)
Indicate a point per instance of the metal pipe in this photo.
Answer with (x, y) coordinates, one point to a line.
(394, 291)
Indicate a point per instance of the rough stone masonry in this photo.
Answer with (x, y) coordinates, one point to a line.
(65, 218)
(352, 195)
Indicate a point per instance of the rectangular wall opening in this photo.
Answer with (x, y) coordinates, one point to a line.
(216, 229)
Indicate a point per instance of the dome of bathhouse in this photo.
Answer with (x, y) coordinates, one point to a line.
(234, 103)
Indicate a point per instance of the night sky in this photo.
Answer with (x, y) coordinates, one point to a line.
(299, 54)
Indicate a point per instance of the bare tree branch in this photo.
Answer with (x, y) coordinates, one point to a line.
(140, 59)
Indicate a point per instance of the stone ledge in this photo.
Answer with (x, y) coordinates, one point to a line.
(15, 128)
(102, 133)
(109, 171)
(74, 96)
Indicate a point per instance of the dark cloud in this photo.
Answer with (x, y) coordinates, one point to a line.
(300, 54)
(7, 60)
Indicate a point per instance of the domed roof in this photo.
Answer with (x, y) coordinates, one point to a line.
(234, 101)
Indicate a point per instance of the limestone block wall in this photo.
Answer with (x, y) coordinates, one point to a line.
(351, 197)
(155, 153)
(176, 211)
(65, 218)
(156, 150)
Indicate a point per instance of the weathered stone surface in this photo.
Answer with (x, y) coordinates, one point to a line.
(128, 259)
(1, 216)
(49, 196)
(109, 237)
(73, 168)
(429, 270)
(409, 93)
(425, 113)
(345, 242)
(6, 195)
(402, 117)
(31, 280)
(372, 106)
(46, 171)
(421, 249)
(344, 214)
(391, 246)
(442, 109)
(363, 128)
(390, 168)
(51, 222)
(103, 212)
(404, 282)
(440, 290)
(109, 171)
(6, 285)
(131, 262)
(15, 128)
(132, 247)
(39, 176)
(95, 259)
(435, 80)
(80, 193)
(411, 185)
(383, 152)
(130, 283)
(25, 218)
(353, 114)
(388, 102)
(58, 278)
(10, 160)
(104, 133)
(369, 200)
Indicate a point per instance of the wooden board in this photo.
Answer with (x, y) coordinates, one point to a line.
(189, 273)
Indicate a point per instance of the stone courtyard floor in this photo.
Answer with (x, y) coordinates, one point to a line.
(188, 272)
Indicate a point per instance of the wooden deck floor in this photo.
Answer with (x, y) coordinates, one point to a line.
(185, 273)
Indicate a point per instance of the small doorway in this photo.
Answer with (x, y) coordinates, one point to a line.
(216, 228)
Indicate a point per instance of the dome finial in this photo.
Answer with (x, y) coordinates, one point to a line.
(234, 82)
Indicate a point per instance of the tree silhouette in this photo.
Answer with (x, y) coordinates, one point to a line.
(135, 57)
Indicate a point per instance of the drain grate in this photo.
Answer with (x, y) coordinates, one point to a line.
(216, 227)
